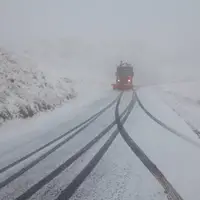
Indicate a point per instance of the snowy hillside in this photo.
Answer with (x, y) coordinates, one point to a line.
(25, 90)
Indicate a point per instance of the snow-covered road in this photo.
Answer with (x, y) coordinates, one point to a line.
(93, 162)
(32, 160)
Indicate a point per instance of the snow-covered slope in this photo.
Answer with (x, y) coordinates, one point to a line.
(25, 90)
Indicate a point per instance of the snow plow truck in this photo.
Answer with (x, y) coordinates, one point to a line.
(124, 77)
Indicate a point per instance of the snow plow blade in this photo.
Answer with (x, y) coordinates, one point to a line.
(122, 87)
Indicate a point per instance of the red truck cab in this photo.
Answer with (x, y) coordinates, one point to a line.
(124, 77)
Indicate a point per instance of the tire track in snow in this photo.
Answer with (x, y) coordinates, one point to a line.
(175, 132)
(172, 194)
(194, 130)
(82, 126)
(73, 186)
(43, 156)
(67, 163)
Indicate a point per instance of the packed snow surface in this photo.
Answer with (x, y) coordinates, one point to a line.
(177, 158)
(184, 99)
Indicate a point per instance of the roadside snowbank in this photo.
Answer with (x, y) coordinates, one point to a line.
(25, 90)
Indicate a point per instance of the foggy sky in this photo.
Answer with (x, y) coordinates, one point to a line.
(138, 30)
(145, 20)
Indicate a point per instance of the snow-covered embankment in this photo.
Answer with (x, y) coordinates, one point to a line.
(25, 90)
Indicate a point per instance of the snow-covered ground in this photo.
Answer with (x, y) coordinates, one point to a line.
(119, 174)
(55, 54)
(49, 124)
(184, 99)
(176, 157)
